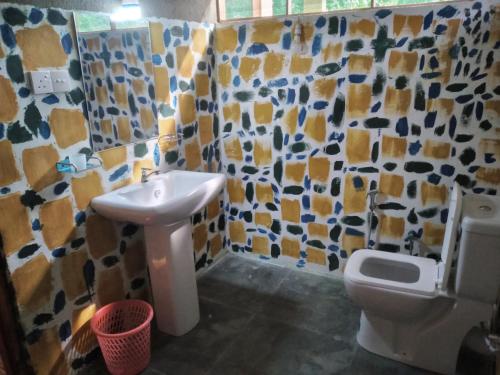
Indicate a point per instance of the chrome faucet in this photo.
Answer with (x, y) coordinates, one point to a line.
(146, 173)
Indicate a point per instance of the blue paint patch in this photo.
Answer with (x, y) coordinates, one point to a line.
(402, 127)
(282, 82)
(434, 90)
(430, 119)
(308, 218)
(236, 81)
(287, 41)
(453, 126)
(256, 83)
(357, 78)
(59, 253)
(354, 232)
(489, 158)
(36, 15)
(80, 218)
(235, 62)
(118, 173)
(320, 22)
(383, 13)
(65, 330)
(302, 116)
(242, 34)
(291, 96)
(414, 147)
(322, 104)
(434, 178)
(447, 12)
(60, 187)
(343, 26)
(24, 92)
(306, 202)
(376, 107)
(156, 155)
(8, 36)
(428, 20)
(316, 45)
(338, 208)
(358, 183)
(440, 29)
(185, 31)
(156, 59)
(35, 225)
(167, 37)
(173, 84)
(401, 42)
(447, 170)
(67, 43)
(256, 49)
(50, 99)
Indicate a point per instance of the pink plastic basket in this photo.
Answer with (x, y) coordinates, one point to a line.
(123, 330)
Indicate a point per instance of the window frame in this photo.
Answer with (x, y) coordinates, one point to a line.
(221, 11)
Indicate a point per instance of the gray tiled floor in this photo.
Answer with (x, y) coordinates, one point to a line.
(258, 318)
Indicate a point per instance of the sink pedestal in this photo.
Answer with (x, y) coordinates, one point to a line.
(172, 273)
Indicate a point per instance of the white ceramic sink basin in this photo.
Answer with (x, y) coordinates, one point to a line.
(164, 205)
(165, 199)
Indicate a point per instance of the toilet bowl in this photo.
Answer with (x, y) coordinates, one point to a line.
(413, 311)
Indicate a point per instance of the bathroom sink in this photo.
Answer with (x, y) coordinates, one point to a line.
(164, 205)
(164, 199)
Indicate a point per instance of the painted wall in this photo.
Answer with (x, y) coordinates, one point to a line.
(62, 258)
(405, 101)
(192, 10)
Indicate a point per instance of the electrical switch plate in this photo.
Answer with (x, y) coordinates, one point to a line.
(60, 80)
(41, 82)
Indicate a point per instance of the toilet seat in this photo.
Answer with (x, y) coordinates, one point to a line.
(425, 283)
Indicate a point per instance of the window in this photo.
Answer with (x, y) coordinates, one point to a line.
(241, 9)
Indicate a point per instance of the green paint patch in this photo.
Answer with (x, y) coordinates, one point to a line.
(294, 229)
(421, 43)
(75, 70)
(382, 43)
(328, 69)
(265, 91)
(14, 16)
(354, 45)
(56, 18)
(379, 83)
(15, 68)
(32, 118)
(249, 192)
(18, 134)
(277, 138)
(278, 171)
(171, 157)
(165, 110)
(140, 149)
(244, 96)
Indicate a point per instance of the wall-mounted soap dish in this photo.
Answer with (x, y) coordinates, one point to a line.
(66, 166)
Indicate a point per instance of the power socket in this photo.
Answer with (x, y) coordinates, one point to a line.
(60, 80)
(41, 82)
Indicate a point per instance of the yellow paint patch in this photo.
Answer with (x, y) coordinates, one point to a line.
(315, 256)
(110, 286)
(232, 112)
(489, 175)
(187, 108)
(81, 317)
(290, 210)
(157, 45)
(317, 230)
(402, 62)
(248, 67)
(114, 43)
(360, 64)
(73, 280)
(106, 126)
(122, 183)
(263, 112)
(319, 168)
(117, 68)
(2, 53)
(488, 146)
(200, 237)
(300, 64)
(68, 126)
(273, 64)
(162, 84)
(101, 236)
(206, 129)
(362, 28)
(352, 243)
(354, 198)
(407, 24)
(325, 87)
(262, 153)
(433, 193)
(358, 99)
(120, 93)
(193, 155)
(237, 232)
(57, 222)
(185, 61)
(295, 171)
(139, 86)
(202, 84)
(131, 59)
(291, 119)
(322, 205)
(233, 149)
(264, 193)
(46, 354)
(147, 118)
(358, 146)
(267, 31)
(85, 188)
(437, 150)
(8, 169)
(213, 209)
(137, 167)
(290, 247)
(226, 39)
(393, 147)
(316, 127)
(97, 69)
(224, 74)
(442, 106)
(123, 128)
(433, 234)
(235, 190)
(94, 44)
(113, 157)
(9, 107)
(215, 245)
(15, 226)
(333, 51)
(135, 259)
(391, 226)
(39, 166)
(397, 102)
(41, 48)
(101, 93)
(199, 40)
(493, 107)
(391, 184)
(263, 218)
(260, 245)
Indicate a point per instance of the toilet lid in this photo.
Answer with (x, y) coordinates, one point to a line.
(450, 236)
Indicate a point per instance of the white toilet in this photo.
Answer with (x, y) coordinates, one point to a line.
(418, 311)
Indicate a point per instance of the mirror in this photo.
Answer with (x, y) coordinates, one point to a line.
(117, 73)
